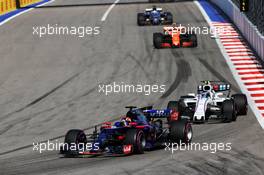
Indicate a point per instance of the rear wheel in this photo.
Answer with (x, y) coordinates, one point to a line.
(158, 40)
(241, 103)
(181, 132)
(169, 18)
(136, 138)
(228, 111)
(174, 105)
(141, 19)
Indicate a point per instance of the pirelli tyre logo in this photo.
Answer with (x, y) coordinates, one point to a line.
(244, 5)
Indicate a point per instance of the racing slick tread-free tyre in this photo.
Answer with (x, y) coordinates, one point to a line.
(180, 132)
(158, 40)
(141, 19)
(137, 139)
(169, 18)
(228, 111)
(194, 40)
(241, 103)
(174, 105)
(75, 136)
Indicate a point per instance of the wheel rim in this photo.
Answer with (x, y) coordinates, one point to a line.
(189, 133)
(143, 141)
(81, 139)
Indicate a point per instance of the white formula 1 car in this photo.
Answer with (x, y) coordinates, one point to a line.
(212, 101)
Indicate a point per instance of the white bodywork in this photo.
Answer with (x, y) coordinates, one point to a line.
(151, 9)
(202, 101)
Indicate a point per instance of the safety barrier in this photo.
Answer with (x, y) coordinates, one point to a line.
(249, 31)
(10, 5)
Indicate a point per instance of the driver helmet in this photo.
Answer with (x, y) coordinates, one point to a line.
(154, 7)
(125, 121)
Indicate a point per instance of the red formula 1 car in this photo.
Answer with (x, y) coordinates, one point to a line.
(174, 37)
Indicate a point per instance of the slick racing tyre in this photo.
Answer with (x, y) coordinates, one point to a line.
(174, 105)
(77, 138)
(137, 139)
(241, 103)
(228, 111)
(158, 40)
(180, 132)
(194, 40)
(169, 18)
(141, 19)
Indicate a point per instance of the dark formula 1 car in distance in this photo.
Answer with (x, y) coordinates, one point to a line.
(153, 1)
(154, 16)
(212, 101)
(173, 37)
(141, 129)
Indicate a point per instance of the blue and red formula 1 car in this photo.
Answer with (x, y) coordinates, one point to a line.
(141, 129)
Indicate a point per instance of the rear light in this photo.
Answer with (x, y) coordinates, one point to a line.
(216, 87)
(140, 127)
(106, 126)
(174, 115)
(120, 137)
(133, 123)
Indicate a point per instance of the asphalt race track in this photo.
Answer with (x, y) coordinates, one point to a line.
(50, 84)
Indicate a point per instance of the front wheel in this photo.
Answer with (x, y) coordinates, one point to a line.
(194, 40)
(75, 139)
(158, 40)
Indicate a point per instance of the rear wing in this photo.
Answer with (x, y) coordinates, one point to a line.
(151, 9)
(154, 113)
(217, 86)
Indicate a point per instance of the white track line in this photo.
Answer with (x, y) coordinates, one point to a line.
(256, 86)
(109, 10)
(258, 113)
(12, 17)
(241, 46)
(258, 80)
(251, 70)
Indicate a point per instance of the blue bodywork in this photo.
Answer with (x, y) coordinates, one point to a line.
(155, 16)
(107, 137)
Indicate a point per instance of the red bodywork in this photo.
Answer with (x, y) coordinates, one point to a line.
(174, 37)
